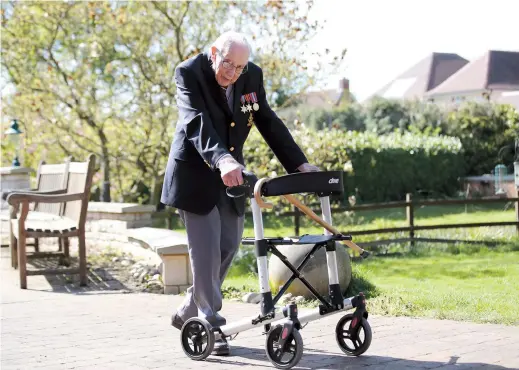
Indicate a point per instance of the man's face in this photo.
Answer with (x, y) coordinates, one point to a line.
(229, 67)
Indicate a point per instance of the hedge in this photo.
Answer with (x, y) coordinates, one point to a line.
(377, 167)
(487, 130)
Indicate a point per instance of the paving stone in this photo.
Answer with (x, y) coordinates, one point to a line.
(49, 327)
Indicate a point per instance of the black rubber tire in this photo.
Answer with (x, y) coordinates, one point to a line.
(341, 333)
(296, 342)
(200, 330)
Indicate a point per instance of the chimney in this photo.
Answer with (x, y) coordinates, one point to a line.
(344, 84)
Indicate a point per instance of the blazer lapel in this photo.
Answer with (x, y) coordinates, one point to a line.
(215, 89)
(238, 89)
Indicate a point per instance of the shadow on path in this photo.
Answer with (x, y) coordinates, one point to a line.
(317, 359)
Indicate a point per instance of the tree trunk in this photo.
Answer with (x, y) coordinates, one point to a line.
(156, 190)
(105, 167)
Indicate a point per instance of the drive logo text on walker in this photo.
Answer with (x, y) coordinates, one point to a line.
(333, 181)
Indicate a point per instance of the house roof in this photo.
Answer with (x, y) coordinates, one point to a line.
(423, 76)
(495, 70)
(323, 98)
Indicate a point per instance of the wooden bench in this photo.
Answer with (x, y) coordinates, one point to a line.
(57, 213)
(50, 179)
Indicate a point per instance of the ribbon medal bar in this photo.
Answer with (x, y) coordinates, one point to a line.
(246, 101)
(249, 99)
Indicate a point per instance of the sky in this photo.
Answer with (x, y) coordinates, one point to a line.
(386, 37)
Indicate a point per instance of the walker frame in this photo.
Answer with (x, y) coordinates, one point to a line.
(283, 324)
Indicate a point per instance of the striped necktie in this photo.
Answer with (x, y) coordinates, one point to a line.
(224, 94)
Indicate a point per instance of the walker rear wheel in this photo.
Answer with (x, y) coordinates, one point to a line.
(353, 342)
(197, 338)
(290, 355)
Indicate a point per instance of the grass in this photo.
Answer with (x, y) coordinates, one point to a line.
(446, 281)
(479, 287)
(476, 284)
(393, 217)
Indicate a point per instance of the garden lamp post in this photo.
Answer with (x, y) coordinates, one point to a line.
(13, 134)
(516, 165)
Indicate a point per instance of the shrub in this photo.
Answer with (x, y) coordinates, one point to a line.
(487, 132)
(376, 167)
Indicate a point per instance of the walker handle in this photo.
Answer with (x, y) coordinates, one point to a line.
(249, 180)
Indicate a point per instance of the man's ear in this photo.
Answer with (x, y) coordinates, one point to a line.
(213, 53)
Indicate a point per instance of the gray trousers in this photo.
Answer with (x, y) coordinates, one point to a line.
(213, 241)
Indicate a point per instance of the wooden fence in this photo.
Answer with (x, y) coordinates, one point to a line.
(410, 205)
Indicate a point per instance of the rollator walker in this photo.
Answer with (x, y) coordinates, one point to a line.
(282, 325)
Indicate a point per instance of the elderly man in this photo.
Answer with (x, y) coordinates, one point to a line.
(220, 97)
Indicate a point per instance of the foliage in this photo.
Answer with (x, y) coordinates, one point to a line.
(98, 76)
(386, 115)
(387, 167)
(346, 116)
(403, 163)
(487, 132)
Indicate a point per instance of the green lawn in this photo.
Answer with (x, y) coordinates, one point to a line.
(428, 215)
(394, 217)
(479, 287)
(449, 281)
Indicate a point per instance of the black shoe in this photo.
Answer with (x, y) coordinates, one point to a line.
(221, 348)
(216, 321)
(177, 322)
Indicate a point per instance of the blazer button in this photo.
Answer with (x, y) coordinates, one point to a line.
(231, 148)
(233, 124)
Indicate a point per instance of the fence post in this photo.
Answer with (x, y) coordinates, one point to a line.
(169, 225)
(297, 220)
(517, 214)
(410, 216)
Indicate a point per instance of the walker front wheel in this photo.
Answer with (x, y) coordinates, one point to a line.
(197, 338)
(291, 353)
(353, 339)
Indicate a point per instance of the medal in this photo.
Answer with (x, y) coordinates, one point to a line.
(251, 120)
(247, 100)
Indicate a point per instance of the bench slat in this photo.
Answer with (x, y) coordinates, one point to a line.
(52, 225)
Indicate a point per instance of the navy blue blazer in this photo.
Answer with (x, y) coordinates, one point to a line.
(207, 130)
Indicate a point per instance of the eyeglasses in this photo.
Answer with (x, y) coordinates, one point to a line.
(228, 65)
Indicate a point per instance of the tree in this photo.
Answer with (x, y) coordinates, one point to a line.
(386, 115)
(488, 132)
(98, 76)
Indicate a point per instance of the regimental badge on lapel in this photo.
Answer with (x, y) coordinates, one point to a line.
(246, 107)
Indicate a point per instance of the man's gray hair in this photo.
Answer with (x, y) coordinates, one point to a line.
(229, 38)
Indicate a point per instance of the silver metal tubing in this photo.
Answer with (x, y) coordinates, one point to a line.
(246, 324)
(307, 316)
(327, 212)
(304, 317)
(331, 256)
(263, 274)
(333, 271)
(257, 219)
(263, 271)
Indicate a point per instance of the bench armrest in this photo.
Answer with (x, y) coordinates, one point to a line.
(5, 194)
(15, 198)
